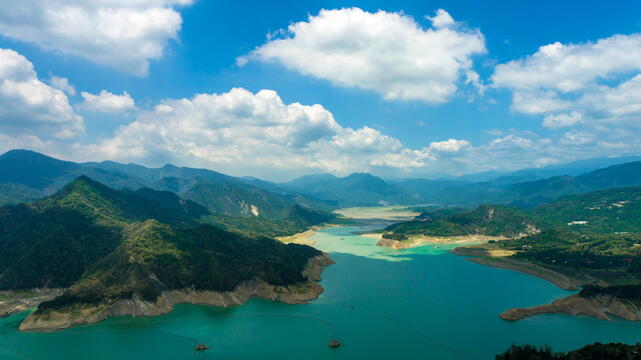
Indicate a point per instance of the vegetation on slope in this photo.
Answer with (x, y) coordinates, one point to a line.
(485, 220)
(604, 212)
(357, 189)
(597, 351)
(518, 191)
(28, 176)
(106, 244)
(155, 257)
(611, 212)
(594, 237)
(51, 242)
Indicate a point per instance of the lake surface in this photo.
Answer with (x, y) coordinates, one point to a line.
(421, 303)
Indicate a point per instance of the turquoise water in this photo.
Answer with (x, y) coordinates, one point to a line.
(422, 303)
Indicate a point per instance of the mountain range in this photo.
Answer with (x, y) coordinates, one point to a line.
(252, 204)
(233, 203)
(512, 189)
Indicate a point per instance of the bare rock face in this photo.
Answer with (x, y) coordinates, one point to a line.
(394, 244)
(51, 320)
(598, 307)
(12, 302)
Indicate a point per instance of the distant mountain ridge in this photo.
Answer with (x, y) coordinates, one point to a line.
(609, 211)
(26, 175)
(529, 194)
(358, 189)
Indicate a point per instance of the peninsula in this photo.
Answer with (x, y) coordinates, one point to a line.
(587, 241)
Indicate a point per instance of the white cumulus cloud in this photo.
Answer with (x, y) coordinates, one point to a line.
(252, 133)
(107, 102)
(555, 121)
(449, 146)
(385, 52)
(28, 106)
(591, 82)
(118, 33)
(63, 84)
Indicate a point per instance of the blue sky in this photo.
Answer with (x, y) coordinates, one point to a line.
(578, 100)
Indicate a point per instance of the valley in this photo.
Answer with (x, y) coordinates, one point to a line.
(163, 241)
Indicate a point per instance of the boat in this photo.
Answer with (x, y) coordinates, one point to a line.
(201, 347)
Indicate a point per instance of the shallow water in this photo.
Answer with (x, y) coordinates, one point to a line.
(421, 303)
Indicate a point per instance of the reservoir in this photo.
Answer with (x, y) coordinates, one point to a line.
(420, 303)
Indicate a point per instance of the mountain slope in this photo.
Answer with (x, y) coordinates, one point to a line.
(604, 212)
(36, 175)
(530, 194)
(486, 220)
(358, 189)
(111, 248)
(30, 175)
(154, 257)
(610, 211)
(51, 242)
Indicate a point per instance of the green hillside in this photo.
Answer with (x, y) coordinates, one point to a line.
(485, 220)
(27, 176)
(515, 191)
(105, 244)
(51, 242)
(358, 189)
(606, 211)
(154, 257)
(594, 238)
(597, 351)
(612, 211)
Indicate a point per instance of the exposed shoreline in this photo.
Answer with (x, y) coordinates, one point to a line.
(599, 307)
(422, 240)
(13, 302)
(484, 254)
(304, 238)
(504, 262)
(53, 320)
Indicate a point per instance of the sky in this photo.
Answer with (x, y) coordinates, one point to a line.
(279, 89)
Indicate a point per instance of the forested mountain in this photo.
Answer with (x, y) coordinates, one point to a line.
(51, 242)
(358, 189)
(599, 212)
(36, 175)
(26, 175)
(533, 193)
(233, 203)
(597, 351)
(485, 220)
(105, 245)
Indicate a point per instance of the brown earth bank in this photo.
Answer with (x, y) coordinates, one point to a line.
(600, 307)
(304, 238)
(55, 319)
(13, 302)
(421, 240)
(563, 281)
